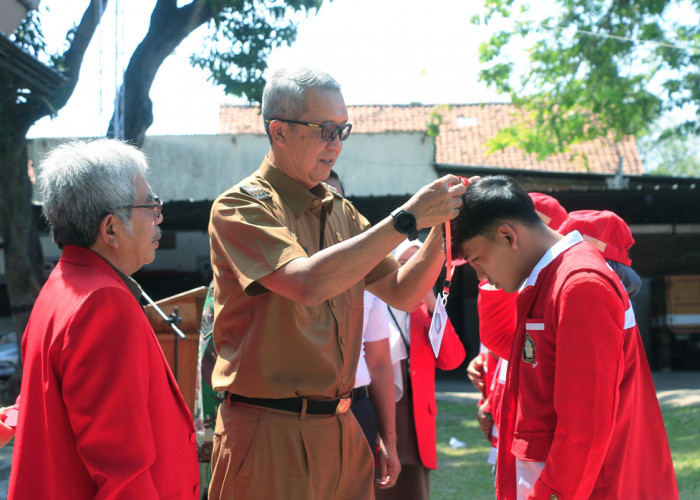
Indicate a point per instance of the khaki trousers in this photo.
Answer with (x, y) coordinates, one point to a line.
(267, 454)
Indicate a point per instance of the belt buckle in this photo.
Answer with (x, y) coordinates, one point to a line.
(343, 406)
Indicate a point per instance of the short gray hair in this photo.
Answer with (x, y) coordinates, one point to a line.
(83, 181)
(283, 96)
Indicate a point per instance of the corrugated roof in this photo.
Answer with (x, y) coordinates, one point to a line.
(463, 133)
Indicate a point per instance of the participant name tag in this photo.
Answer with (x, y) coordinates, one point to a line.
(437, 325)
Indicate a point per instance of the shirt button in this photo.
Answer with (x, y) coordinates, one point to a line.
(316, 202)
(342, 340)
(344, 380)
(332, 302)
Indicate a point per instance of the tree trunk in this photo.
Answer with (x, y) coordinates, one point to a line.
(169, 27)
(24, 267)
(23, 256)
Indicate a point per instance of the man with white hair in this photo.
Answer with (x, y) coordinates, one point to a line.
(100, 412)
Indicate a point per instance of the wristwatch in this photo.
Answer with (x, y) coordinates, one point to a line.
(405, 223)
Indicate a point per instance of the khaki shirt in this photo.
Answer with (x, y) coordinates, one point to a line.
(269, 346)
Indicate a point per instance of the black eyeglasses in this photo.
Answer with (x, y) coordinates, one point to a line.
(157, 206)
(329, 131)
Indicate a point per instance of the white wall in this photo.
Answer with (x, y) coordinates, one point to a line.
(200, 167)
(397, 163)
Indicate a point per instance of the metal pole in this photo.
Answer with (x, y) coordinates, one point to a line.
(171, 321)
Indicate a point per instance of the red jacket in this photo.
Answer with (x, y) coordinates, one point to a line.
(101, 416)
(422, 365)
(579, 394)
(496, 310)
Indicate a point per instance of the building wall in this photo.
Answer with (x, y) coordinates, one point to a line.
(389, 164)
(200, 167)
(197, 167)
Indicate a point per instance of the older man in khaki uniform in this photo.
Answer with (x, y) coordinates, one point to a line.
(291, 259)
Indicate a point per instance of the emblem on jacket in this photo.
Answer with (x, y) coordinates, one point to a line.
(257, 192)
(529, 350)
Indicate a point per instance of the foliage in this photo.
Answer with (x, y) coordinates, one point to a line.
(435, 119)
(29, 35)
(596, 68)
(673, 156)
(241, 38)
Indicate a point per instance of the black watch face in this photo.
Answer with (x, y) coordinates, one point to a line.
(405, 222)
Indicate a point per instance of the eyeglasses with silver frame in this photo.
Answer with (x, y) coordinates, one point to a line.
(157, 206)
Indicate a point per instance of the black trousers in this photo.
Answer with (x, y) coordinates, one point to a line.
(366, 416)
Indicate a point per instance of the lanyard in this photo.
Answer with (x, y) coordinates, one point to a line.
(449, 266)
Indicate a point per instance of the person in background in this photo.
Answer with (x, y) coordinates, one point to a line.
(291, 260)
(100, 412)
(611, 235)
(579, 415)
(375, 378)
(7, 432)
(207, 400)
(373, 402)
(416, 410)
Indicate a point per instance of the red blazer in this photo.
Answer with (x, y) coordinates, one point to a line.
(579, 396)
(101, 416)
(422, 364)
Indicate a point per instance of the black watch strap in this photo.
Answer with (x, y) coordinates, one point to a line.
(405, 223)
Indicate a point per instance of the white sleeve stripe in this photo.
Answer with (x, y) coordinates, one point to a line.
(630, 320)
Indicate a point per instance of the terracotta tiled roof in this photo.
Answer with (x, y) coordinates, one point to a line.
(462, 137)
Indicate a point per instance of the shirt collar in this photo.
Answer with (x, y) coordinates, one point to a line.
(130, 282)
(571, 239)
(293, 194)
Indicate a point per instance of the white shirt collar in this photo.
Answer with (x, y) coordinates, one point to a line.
(571, 239)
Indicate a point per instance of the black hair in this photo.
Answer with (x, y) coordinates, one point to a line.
(488, 202)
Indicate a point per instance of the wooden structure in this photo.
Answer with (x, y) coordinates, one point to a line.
(676, 320)
(189, 307)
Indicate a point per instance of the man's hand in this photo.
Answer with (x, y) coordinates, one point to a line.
(475, 372)
(485, 422)
(437, 202)
(389, 467)
(6, 432)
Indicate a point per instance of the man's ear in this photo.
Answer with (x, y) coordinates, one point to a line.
(107, 231)
(278, 132)
(508, 233)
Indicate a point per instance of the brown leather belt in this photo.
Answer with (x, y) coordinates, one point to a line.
(313, 406)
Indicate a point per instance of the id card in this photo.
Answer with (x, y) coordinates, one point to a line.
(437, 325)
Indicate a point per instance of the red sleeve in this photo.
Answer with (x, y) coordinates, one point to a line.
(106, 388)
(589, 365)
(451, 350)
(497, 313)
